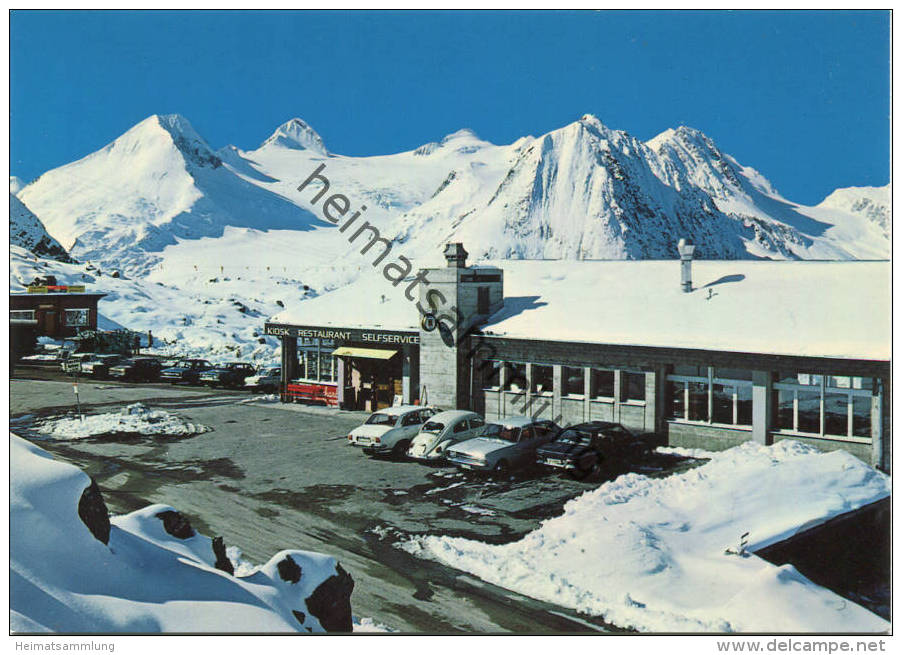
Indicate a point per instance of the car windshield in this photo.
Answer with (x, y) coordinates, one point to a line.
(574, 437)
(382, 419)
(433, 426)
(496, 431)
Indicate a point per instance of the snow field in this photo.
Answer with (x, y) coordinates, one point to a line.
(132, 419)
(650, 554)
(63, 579)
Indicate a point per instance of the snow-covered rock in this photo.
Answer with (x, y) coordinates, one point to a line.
(654, 553)
(135, 575)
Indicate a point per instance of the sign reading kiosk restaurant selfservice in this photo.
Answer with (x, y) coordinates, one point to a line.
(342, 334)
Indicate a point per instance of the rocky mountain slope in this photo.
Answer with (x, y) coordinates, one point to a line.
(27, 231)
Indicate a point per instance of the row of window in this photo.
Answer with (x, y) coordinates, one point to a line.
(823, 405)
(806, 403)
(573, 381)
(71, 317)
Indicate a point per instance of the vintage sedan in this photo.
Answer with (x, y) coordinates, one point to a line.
(231, 374)
(266, 380)
(99, 365)
(390, 430)
(187, 370)
(582, 449)
(503, 445)
(443, 430)
(146, 369)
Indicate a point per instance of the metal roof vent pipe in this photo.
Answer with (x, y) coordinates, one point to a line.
(686, 249)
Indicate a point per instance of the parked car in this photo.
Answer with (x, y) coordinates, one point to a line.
(143, 369)
(266, 380)
(71, 362)
(581, 449)
(187, 370)
(99, 365)
(504, 445)
(443, 430)
(227, 375)
(390, 430)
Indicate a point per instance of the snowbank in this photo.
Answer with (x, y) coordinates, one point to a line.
(143, 578)
(132, 419)
(650, 553)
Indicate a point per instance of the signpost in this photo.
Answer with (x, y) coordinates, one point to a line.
(75, 367)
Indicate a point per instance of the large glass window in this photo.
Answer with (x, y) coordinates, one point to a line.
(515, 377)
(542, 378)
(315, 360)
(698, 401)
(723, 403)
(632, 386)
(491, 374)
(573, 380)
(786, 409)
(77, 317)
(861, 416)
(703, 394)
(602, 384)
(824, 405)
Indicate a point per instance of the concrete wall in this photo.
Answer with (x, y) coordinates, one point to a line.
(861, 451)
(707, 437)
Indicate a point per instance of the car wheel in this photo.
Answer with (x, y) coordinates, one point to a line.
(584, 470)
(502, 468)
(400, 449)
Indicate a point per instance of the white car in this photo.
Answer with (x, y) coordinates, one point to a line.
(265, 380)
(390, 430)
(443, 430)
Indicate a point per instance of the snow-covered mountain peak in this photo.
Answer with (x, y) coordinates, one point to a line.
(298, 135)
(871, 202)
(465, 133)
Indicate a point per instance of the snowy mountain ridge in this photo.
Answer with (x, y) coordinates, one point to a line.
(579, 192)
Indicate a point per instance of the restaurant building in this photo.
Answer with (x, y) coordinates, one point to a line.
(58, 311)
(753, 351)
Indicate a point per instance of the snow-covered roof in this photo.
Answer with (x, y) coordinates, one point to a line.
(369, 302)
(823, 309)
(818, 309)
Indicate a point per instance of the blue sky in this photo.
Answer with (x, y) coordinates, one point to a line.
(801, 96)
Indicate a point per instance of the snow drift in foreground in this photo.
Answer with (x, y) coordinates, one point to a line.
(651, 553)
(64, 577)
(132, 419)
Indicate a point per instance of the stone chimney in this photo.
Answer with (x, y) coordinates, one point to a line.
(455, 255)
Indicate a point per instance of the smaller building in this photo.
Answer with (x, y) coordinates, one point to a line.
(58, 311)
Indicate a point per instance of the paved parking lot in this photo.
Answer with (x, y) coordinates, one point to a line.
(270, 476)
